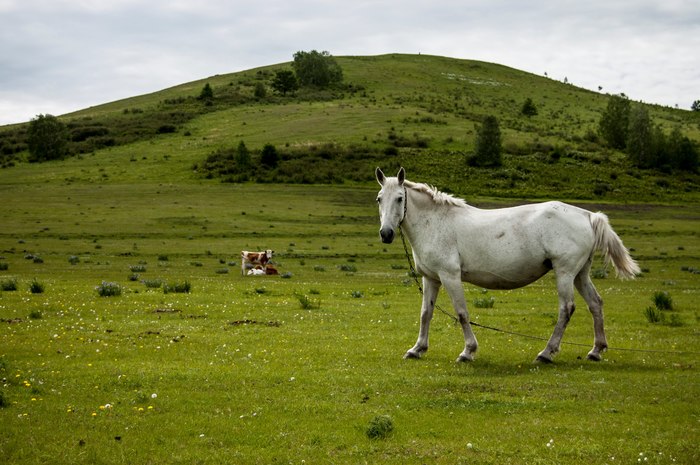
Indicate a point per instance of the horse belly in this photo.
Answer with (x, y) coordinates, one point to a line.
(501, 280)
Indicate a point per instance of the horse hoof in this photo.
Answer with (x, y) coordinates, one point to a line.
(464, 358)
(411, 355)
(594, 357)
(542, 359)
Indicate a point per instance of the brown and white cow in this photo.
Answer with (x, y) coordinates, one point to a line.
(254, 258)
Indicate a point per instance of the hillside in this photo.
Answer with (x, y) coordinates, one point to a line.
(412, 110)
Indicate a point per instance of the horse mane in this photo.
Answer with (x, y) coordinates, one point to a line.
(440, 198)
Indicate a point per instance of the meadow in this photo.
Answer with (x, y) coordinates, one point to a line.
(128, 335)
(304, 368)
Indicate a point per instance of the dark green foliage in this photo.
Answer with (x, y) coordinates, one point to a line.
(269, 156)
(181, 288)
(529, 108)
(109, 289)
(317, 69)
(640, 146)
(8, 285)
(614, 123)
(488, 145)
(285, 81)
(260, 90)
(662, 300)
(327, 163)
(242, 157)
(680, 151)
(695, 106)
(380, 427)
(47, 139)
(36, 287)
(649, 147)
(207, 93)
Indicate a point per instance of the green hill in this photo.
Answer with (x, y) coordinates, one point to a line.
(418, 111)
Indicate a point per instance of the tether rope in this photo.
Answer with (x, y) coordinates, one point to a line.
(414, 274)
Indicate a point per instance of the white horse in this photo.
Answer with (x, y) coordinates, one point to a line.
(504, 248)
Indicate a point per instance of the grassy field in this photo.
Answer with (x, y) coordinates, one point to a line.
(307, 367)
(295, 370)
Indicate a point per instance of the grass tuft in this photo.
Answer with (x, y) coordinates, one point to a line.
(380, 427)
(108, 289)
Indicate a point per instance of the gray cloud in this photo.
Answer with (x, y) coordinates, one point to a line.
(63, 55)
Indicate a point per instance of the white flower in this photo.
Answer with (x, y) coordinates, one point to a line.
(154, 395)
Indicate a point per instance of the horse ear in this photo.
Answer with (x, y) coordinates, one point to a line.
(401, 176)
(380, 176)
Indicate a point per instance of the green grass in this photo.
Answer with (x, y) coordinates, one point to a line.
(230, 374)
(271, 370)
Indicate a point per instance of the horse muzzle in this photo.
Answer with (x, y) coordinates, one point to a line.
(387, 235)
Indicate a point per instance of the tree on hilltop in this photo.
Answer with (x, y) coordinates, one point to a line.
(317, 69)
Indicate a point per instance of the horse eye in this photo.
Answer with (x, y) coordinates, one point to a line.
(399, 200)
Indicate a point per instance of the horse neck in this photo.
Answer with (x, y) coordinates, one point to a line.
(421, 215)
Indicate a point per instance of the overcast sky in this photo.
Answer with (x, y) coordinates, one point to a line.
(58, 56)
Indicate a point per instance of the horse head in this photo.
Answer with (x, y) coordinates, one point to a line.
(392, 204)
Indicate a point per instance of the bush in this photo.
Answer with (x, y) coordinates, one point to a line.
(307, 303)
(662, 300)
(152, 283)
(107, 289)
(181, 288)
(485, 302)
(653, 315)
(380, 427)
(36, 287)
(8, 285)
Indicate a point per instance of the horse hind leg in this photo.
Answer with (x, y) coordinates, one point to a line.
(565, 289)
(585, 287)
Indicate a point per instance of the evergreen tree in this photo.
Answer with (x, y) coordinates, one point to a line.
(682, 152)
(207, 93)
(47, 139)
(269, 156)
(640, 142)
(242, 158)
(614, 123)
(285, 81)
(488, 144)
(529, 108)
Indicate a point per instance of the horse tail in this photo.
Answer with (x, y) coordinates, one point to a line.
(609, 243)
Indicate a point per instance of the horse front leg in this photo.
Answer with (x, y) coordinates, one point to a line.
(430, 292)
(454, 288)
(565, 289)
